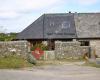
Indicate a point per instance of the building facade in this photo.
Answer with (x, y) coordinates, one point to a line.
(83, 27)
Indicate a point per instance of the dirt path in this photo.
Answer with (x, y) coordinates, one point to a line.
(68, 71)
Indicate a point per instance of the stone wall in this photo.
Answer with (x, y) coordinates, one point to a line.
(62, 50)
(96, 45)
(14, 47)
(65, 50)
(49, 55)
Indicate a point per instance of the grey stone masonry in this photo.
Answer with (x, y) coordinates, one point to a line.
(14, 47)
(65, 50)
(87, 25)
(96, 45)
(49, 55)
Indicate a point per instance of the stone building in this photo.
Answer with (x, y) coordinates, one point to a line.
(83, 27)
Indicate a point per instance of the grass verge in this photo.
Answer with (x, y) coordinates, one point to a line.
(92, 64)
(13, 62)
(16, 62)
(57, 62)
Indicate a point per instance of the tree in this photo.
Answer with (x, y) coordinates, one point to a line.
(7, 36)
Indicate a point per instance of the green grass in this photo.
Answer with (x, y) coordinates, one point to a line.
(13, 62)
(16, 62)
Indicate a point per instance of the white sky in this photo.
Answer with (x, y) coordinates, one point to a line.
(15, 15)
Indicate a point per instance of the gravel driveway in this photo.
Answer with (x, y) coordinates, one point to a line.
(68, 71)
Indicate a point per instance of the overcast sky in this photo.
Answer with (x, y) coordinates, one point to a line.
(15, 15)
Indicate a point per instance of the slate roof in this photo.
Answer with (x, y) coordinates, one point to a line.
(33, 31)
(63, 26)
(52, 26)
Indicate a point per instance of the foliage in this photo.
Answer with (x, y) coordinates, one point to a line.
(7, 37)
(39, 45)
(14, 62)
(31, 59)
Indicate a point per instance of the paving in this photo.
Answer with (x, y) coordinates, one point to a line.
(68, 71)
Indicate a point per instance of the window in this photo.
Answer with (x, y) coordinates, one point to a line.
(85, 43)
(65, 25)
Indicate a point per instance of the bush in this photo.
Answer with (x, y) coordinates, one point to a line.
(31, 59)
(39, 45)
